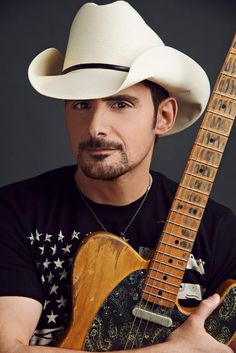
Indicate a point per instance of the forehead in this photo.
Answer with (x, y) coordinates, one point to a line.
(136, 93)
(139, 90)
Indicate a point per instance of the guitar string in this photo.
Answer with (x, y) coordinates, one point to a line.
(207, 129)
(205, 145)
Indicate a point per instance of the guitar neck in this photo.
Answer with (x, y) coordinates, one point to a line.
(169, 263)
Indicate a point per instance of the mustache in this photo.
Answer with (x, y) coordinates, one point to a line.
(96, 143)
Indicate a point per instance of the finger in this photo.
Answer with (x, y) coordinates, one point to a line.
(233, 345)
(206, 307)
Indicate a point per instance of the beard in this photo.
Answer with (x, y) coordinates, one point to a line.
(97, 166)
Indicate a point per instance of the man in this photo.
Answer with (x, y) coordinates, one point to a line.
(122, 89)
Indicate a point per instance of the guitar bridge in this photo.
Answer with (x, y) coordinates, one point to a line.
(162, 320)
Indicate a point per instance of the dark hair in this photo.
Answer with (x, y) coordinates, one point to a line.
(158, 95)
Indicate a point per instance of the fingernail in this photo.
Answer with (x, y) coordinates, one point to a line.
(216, 297)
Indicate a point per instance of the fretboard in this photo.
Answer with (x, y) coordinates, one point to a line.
(171, 255)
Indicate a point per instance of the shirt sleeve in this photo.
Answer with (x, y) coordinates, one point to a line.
(18, 270)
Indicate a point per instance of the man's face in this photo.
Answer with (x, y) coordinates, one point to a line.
(113, 135)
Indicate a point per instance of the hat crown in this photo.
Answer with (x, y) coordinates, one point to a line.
(113, 34)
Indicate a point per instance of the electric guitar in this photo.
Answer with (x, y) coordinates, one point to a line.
(120, 300)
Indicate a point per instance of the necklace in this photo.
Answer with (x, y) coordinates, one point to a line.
(123, 233)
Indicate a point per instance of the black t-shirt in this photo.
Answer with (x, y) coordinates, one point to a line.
(44, 220)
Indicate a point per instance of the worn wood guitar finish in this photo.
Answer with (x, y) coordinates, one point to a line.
(120, 300)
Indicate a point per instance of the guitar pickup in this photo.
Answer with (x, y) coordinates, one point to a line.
(162, 320)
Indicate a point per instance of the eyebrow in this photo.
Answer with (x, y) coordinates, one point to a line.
(119, 98)
(122, 97)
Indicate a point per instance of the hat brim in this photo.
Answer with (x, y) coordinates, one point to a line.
(181, 76)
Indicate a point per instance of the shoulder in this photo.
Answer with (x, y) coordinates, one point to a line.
(40, 186)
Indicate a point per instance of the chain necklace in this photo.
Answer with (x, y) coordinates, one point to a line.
(123, 233)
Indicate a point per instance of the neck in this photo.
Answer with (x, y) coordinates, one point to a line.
(120, 192)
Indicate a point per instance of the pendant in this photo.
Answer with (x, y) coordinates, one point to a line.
(123, 236)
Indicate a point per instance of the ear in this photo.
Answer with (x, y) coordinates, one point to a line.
(166, 115)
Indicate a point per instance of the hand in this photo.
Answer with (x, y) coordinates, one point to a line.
(191, 336)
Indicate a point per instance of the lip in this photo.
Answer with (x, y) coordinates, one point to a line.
(101, 150)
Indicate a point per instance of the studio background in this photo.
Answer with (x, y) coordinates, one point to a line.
(33, 137)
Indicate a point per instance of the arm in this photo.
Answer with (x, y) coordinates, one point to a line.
(19, 317)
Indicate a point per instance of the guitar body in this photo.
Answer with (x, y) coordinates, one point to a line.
(107, 280)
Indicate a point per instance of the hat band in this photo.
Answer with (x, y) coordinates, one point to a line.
(96, 66)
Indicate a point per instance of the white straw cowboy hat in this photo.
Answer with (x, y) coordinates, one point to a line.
(111, 48)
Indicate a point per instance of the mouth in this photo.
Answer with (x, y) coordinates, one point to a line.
(100, 150)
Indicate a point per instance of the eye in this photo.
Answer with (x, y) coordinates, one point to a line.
(81, 105)
(121, 105)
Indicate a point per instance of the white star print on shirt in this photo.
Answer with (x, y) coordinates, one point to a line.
(46, 303)
(54, 289)
(67, 248)
(42, 249)
(50, 277)
(58, 263)
(52, 317)
(46, 263)
(75, 235)
(54, 249)
(62, 301)
(38, 235)
(31, 238)
(63, 274)
(60, 236)
(47, 238)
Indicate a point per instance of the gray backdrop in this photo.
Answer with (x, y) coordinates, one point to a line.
(33, 137)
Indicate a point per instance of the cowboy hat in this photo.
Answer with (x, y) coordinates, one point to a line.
(111, 48)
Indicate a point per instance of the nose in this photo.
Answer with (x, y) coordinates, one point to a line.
(99, 124)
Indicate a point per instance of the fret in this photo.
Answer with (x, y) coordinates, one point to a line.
(200, 177)
(177, 236)
(155, 295)
(170, 251)
(172, 257)
(189, 188)
(211, 140)
(191, 213)
(222, 106)
(217, 123)
(170, 261)
(189, 202)
(184, 221)
(163, 273)
(201, 170)
(155, 278)
(192, 197)
(185, 208)
(230, 65)
(203, 162)
(164, 290)
(183, 232)
(226, 85)
(169, 265)
(162, 284)
(204, 154)
(186, 246)
(194, 183)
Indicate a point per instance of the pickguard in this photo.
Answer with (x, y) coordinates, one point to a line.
(115, 328)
